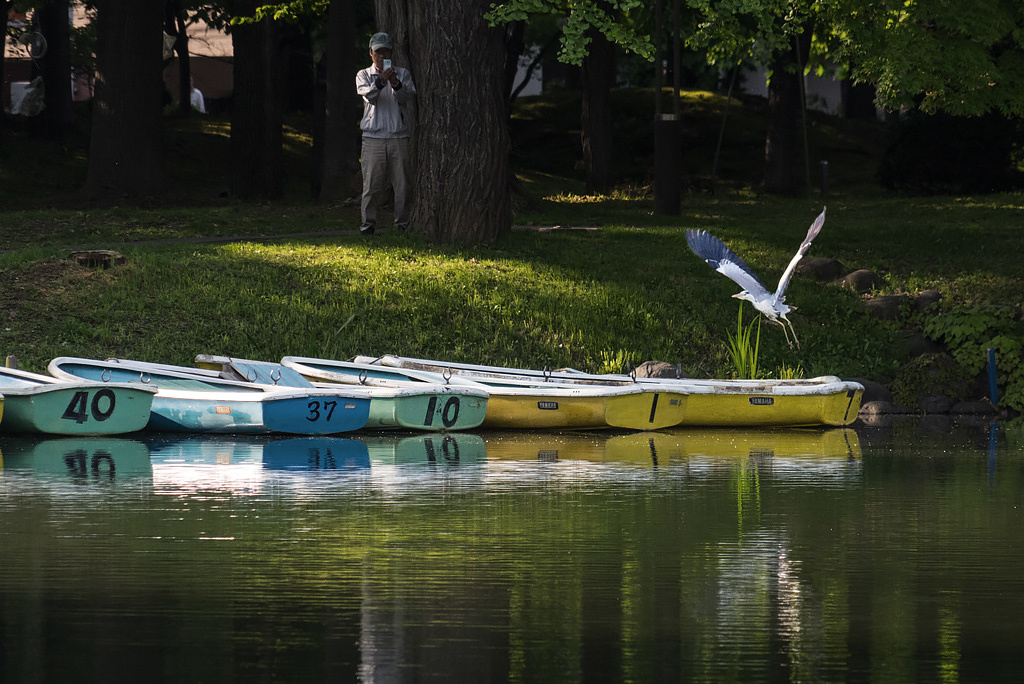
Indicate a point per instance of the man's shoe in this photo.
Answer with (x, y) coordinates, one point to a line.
(366, 230)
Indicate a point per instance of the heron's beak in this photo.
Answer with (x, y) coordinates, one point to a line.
(737, 296)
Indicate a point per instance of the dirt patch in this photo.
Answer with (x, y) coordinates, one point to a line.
(21, 286)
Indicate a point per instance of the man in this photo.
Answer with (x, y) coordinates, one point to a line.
(385, 90)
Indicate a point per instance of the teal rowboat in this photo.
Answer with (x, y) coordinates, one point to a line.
(188, 401)
(412, 405)
(41, 404)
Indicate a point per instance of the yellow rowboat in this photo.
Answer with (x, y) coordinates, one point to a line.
(517, 403)
(825, 400)
(582, 407)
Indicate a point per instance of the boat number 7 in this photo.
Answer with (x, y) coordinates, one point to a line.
(80, 407)
(314, 410)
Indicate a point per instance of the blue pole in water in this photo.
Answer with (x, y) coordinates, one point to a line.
(993, 390)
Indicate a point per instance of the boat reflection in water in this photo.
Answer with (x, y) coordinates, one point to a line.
(244, 461)
(83, 458)
(794, 447)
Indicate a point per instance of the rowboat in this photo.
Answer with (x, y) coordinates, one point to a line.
(41, 404)
(413, 405)
(522, 403)
(825, 400)
(189, 401)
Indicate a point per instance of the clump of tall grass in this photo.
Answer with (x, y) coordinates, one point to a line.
(744, 347)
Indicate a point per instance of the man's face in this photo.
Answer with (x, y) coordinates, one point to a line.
(378, 56)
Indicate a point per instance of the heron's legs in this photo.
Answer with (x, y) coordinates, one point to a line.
(795, 340)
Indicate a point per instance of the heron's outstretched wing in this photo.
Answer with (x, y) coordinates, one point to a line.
(812, 233)
(724, 260)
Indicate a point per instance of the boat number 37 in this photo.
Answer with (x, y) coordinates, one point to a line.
(101, 406)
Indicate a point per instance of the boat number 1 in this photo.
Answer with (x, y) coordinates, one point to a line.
(449, 414)
(80, 407)
(314, 410)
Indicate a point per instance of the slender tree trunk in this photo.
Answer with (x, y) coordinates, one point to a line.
(5, 7)
(125, 155)
(514, 48)
(462, 178)
(784, 168)
(337, 148)
(184, 66)
(58, 117)
(597, 75)
(256, 111)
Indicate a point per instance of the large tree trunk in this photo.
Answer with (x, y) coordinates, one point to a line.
(256, 109)
(58, 117)
(125, 156)
(598, 75)
(461, 186)
(858, 100)
(784, 160)
(336, 141)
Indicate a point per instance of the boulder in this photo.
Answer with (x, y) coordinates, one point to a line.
(822, 269)
(919, 345)
(873, 391)
(934, 403)
(659, 369)
(887, 307)
(926, 299)
(978, 408)
(863, 281)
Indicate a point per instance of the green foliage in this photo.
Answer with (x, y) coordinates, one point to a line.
(744, 347)
(970, 331)
(288, 11)
(732, 30)
(620, 21)
(787, 372)
(619, 361)
(930, 374)
(959, 56)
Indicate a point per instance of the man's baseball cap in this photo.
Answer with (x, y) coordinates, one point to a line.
(380, 40)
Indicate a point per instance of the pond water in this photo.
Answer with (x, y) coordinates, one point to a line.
(890, 553)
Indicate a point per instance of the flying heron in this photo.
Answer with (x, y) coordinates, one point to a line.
(724, 260)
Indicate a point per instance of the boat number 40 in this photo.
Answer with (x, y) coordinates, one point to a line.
(101, 406)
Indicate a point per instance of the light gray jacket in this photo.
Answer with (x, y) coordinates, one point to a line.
(383, 114)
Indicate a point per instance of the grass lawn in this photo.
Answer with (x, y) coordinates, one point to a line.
(591, 299)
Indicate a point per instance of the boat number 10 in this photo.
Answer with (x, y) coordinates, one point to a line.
(449, 413)
(101, 406)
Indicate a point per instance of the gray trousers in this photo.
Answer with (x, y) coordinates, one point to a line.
(385, 162)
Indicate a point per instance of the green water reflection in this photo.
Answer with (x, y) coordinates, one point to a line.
(875, 554)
